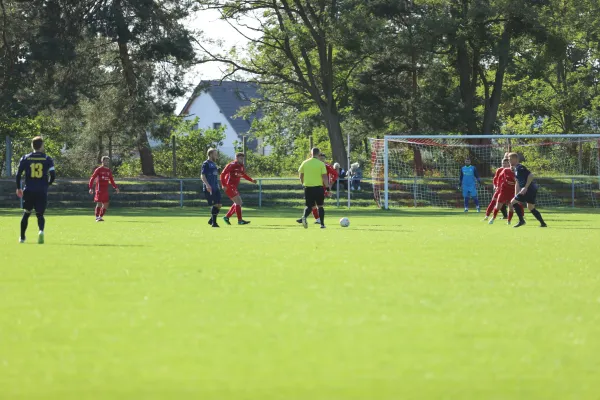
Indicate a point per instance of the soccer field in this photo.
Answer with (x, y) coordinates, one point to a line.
(416, 304)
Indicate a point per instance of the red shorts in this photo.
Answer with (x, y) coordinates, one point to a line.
(101, 197)
(506, 196)
(231, 192)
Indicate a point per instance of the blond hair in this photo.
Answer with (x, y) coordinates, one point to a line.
(210, 151)
(104, 158)
(513, 155)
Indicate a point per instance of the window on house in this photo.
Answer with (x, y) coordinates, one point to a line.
(216, 125)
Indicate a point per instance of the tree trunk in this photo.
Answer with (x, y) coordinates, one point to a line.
(491, 112)
(419, 170)
(146, 157)
(123, 36)
(334, 130)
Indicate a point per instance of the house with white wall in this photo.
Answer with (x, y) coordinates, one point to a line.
(216, 103)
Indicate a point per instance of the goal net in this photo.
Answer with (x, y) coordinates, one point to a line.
(416, 171)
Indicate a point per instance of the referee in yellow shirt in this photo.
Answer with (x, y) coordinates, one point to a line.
(313, 176)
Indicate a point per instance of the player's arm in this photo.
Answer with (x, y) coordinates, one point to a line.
(18, 178)
(325, 176)
(225, 175)
(528, 183)
(112, 182)
(476, 175)
(301, 173)
(92, 179)
(246, 177)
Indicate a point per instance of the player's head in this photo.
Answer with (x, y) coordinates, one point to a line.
(212, 154)
(505, 163)
(105, 161)
(314, 152)
(37, 144)
(239, 157)
(337, 166)
(513, 159)
(322, 157)
(467, 161)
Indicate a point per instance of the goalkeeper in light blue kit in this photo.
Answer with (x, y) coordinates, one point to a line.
(468, 179)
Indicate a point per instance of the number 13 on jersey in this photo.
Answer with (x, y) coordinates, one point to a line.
(37, 170)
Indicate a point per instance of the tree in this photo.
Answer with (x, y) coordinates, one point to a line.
(300, 55)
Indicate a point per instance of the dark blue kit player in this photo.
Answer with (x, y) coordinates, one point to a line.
(39, 174)
(525, 191)
(210, 180)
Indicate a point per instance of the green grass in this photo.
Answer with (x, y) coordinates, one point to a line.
(420, 304)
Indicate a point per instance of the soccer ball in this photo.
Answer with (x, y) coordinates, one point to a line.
(344, 222)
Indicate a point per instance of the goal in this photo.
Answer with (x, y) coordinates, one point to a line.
(416, 171)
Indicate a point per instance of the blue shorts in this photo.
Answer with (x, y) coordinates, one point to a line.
(469, 191)
(35, 200)
(214, 198)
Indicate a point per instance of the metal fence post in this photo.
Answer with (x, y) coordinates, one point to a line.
(337, 191)
(415, 192)
(259, 193)
(573, 192)
(181, 193)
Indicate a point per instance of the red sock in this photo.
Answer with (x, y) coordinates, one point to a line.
(97, 211)
(510, 215)
(495, 213)
(238, 211)
(490, 208)
(316, 213)
(102, 211)
(231, 211)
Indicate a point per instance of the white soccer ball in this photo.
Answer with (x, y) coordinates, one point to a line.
(344, 222)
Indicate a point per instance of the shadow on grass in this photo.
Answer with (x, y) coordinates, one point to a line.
(96, 245)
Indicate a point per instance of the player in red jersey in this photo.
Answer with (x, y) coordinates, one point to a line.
(494, 201)
(230, 179)
(102, 175)
(506, 191)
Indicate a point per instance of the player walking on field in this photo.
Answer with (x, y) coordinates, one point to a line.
(506, 191)
(102, 176)
(313, 176)
(39, 174)
(467, 180)
(230, 179)
(332, 174)
(525, 191)
(496, 182)
(210, 180)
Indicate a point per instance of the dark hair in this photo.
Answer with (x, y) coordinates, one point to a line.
(37, 142)
(315, 151)
(240, 154)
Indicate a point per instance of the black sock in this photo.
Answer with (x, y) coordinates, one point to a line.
(503, 210)
(322, 215)
(41, 221)
(537, 215)
(24, 222)
(307, 212)
(519, 211)
(214, 212)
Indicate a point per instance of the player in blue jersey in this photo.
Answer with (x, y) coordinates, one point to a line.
(210, 180)
(525, 191)
(467, 182)
(39, 174)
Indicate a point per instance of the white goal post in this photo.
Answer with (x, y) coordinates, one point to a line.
(423, 170)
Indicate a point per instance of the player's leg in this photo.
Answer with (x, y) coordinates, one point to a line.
(315, 213)
(27, 207)
(496, 209)
(238, 210)
(41, 201)
(503, 210)
(536, 214)
(309, 204)
(320, 201)
(511, 211)
(103, 209)
(475, 199)
(466, 198)
(216, 208)
(518, 210)
(97, 209)
(490, 207)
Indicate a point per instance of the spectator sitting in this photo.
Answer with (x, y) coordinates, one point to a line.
(356, 176)
(341, 175)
